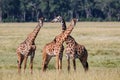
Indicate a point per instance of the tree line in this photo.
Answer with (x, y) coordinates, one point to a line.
(84, 10)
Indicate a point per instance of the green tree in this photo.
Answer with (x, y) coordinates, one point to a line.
(0, 12)
(10, 9)
(86, 10)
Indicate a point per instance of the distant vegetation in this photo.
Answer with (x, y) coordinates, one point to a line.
(84, 10)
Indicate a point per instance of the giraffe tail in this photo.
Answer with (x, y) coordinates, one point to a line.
(86, 66)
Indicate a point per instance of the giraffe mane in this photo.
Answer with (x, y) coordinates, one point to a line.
(63, 24)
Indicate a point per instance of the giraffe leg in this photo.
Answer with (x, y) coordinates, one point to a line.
(60, 61)
(84, 64)
(45, 62)
(74, 64)
(57, 62)
(25, 62)
(31, 62)
(44, 65)
(19, 63)
(68, 62)
(32, 57)
(20, 60)
(60, 57)
(31, 65)
(48, 60)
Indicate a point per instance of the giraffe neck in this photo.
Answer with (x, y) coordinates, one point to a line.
(63, 25)
(69, 29)
(61, 38)
(67, 32)
(32, 36)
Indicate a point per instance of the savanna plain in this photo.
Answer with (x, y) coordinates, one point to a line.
(101, 39)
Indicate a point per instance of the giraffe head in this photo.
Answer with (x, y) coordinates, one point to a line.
(57, 19)
(73, 22)
(41, 21)
(63, 24)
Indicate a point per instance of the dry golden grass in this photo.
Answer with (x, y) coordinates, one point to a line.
(102, 40)
(93, 74)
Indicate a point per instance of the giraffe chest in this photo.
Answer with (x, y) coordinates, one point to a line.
(53, 50)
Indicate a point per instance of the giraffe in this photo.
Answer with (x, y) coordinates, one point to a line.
(56, 48)
(28, 47)
(57, 19)
(74, 50)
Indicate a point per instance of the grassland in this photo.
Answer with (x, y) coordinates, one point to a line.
(102, 41)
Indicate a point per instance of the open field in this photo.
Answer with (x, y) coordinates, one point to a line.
(102, 41)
